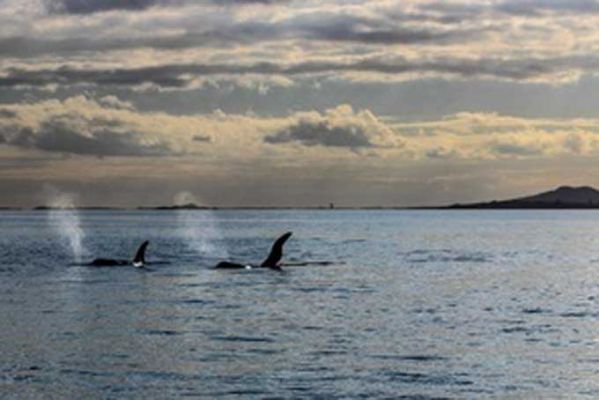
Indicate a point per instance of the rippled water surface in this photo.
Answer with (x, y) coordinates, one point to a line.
(417, 304)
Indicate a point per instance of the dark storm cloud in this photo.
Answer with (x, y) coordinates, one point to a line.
(202, 138)
(322, 134)
(4, 113)
(514, 149)
(93, 6)
(180, 76)
(317, 26)
(61, 135)
(379, 30)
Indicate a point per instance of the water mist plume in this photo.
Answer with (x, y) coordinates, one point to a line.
(198, 228)
(64, 218)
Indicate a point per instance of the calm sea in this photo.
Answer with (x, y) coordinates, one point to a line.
(416, 305)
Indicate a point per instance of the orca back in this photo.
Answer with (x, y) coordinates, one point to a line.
(107, 262)
(230, 265)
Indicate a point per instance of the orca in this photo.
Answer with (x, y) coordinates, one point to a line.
(138, 261)
(271, 262)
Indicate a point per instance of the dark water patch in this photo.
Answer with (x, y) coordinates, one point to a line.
(312, 328)
(516, 329)
(83, 281)
(160, 332)
(198, 302)
(533, 340)
(175, 275)
(415, 358)
(426, 379)
(578, 314)
(535, 310)
(265, 351)
(234, 392)
(193, 285)
(429, 310)
(511, 321)
(301, 389)
(246, 339)
(162, 376)
(116, 356)
(87, 373)
(313, 368)
(314, 289)
(227, 306)
(346, 290)
(327, 353)
(350, 241)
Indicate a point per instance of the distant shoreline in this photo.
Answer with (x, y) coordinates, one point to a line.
(250, 208)
(562, 198)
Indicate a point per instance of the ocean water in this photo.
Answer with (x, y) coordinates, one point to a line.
(416, 305)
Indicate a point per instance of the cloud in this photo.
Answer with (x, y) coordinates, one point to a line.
(490, 136)
(339, 127)
(202, 138)
(7, 113)
(93, 6)
(321, 134)
(317, 26)
(176, 43)
(82, 126)
(537, 7)
(92, 137)
(111, 127)
(184, 75)
(516, 149)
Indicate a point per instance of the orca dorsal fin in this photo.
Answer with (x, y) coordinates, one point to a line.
(276, 252)
(140, 256)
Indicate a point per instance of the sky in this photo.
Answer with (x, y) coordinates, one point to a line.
(296, 103)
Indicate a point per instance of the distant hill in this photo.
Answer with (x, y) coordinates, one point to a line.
(562, 197)
(190, 206)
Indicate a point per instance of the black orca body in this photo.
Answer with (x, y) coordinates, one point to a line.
(272, 261)
(138, 261)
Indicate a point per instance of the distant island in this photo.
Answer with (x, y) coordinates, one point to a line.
(189, 206)
(564, 197)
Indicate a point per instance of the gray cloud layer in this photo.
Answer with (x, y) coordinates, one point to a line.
(316, 27)
(322, 134)
(73, 135)
(179, 76)
(92, 6)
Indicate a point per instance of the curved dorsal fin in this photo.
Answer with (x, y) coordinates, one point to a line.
(140, 256)
(276, 253)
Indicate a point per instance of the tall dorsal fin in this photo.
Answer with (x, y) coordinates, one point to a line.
(140, 256)
(276, 253)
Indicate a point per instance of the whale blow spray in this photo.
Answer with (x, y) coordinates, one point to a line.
(64, 219)
(198, 228)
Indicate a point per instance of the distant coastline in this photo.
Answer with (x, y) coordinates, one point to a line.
(562, 198)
